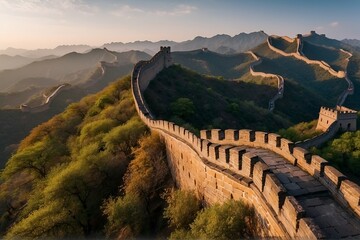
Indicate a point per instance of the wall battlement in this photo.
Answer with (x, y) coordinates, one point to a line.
(219, 166)
(344, 118)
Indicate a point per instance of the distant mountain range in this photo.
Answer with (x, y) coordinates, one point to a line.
(221, 43)
(11, 62)
(352, 42)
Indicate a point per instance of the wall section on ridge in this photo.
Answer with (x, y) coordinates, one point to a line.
(218, 172)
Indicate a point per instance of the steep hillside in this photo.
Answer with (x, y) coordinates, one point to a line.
(322, 40)
(334, 57)
(15, 125)
(318, 82)
(232, 66)
(200, 102)
(239, 43)
(282, 44)
(352, 42)
(13, 100)
(68, 167)
(70, 68)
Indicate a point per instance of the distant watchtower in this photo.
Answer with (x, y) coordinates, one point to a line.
(167, 56)
(345, 118)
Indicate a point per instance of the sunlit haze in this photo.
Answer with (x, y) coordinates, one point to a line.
(34, 24)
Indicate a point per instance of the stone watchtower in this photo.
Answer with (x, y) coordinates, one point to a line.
(344, 117)
(167, 56)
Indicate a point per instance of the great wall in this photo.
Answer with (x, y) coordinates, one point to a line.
(298, 54)
(279, 78)
(101, 66)
(295, 194)
(48, 100)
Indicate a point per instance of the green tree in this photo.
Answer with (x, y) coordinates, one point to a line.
(126, 216)
(182, 208)
(183, 108)
(231, 220)
(148, 173)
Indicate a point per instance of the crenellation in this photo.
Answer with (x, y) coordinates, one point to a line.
(224, 154)
(205, 134)
(302, 155)
(274, 192)
(231, 135)
(259, 174)
(217, 134)
(274, 140)
(205, 147)
(261, 137)
(332, 178)
(291, 213)
(248, 162)
(309, 230)
(236, 155)
(351, 193)
(286, 145)
(317, 166)
(247, 135)
(214, 152)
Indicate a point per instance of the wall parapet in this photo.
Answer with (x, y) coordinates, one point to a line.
(220, 169)
(314, 165)
(280, 79)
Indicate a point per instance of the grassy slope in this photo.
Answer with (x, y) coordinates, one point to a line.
(313, 80)
(288, 47)
(211, 63)
(334, 57)
(15, 125)
(218, 103)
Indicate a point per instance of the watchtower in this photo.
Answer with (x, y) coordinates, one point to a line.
(345, 118)
(167, 56)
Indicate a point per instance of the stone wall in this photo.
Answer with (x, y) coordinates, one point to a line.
(218, 170)
(299, 55)
(279, 78)
(348, 194)
(48, 101)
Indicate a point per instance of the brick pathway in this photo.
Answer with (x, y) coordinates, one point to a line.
(317, 201)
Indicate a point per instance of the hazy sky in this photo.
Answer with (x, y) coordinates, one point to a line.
(48, 23)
